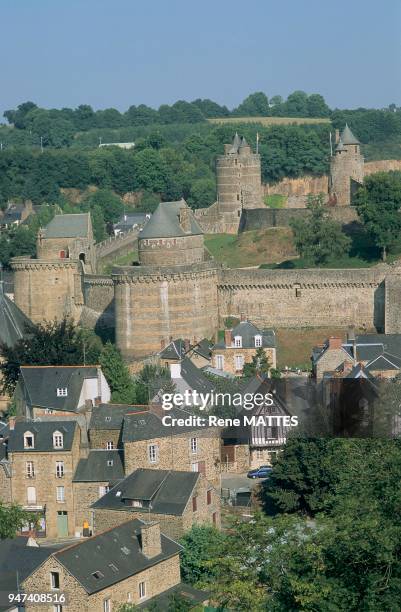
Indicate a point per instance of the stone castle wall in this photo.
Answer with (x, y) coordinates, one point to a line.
(171, 251)
(281, 217)
(309, 298)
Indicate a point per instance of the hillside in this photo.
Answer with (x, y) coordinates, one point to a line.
(270, 120)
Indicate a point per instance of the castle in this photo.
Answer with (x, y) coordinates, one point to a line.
(178, 290)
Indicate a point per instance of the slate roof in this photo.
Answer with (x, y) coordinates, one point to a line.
(127, 221)
(384, 362)
(147, 426)
(68, 226)
(119, 547)
(41, 383)
(347, 136)
(110, 416)
(13, 322)
(248, 331)
(203, 348)
(164, 223)
(96, 467)
(43, 435)
(194, 377)
(184, 591)
(161, 491)
(174, 350)
(17, 561)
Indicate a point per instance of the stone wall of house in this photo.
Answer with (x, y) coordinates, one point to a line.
(175, 453)
(5, 485)
(309, 298)
(98, 438)
(230, 354)
(158, 578)
(158, 304)
(85, 494)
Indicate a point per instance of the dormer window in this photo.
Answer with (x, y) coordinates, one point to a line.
(109, 462)
(62, 392)
(58, 440)
(258, 341)
(238, 342)
(28, 440)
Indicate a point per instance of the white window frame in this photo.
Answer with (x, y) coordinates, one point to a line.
(60, 469)
(142, 589)
(57, 438)
(258, 341)
(239, 362)
(60, 494)
(53, 581)
(62, 392)
(110, 445)
(103, 489)
(106, 605)
(238, 341)
(31, 500)
(153, 453)
(194, 445)
(220, 362)
(27, 435)
(195, 467)
(30, 469)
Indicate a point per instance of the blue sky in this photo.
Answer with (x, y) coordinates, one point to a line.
(122, 52)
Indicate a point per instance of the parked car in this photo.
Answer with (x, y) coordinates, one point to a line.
(263, 471)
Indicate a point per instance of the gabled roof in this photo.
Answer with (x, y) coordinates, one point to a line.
(41, 384)
(194, 377)
(148, 425)
(384, 362)
(161, 491)
(203, 348)
(110, 416)
(100, 466)
(248, 331)
(347, 136)
(14, 324)
(43, 436)
(164, 223)
(115, 554)
(174, 350)
(68, 226)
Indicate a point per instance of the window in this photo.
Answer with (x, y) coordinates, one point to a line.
(62, 392)
(54, 580)
(108, 419)
(62, 254)
(194, 467)
(59, 469)
(220, 362)
(28, 440)
(209, 497)
(109, 462)
(194, 445)
(30, 470)
(142, 590)
(239, 362)
(274, 432)
(109, 445)
(107, 605)
(194, 503)
(98, 575)
(31, 495)
(136, 503)
(238, 342)
(103, 489)
(153, 451)
(298, 292)
(214, 518)
(258, 341)
(57, 439)
(58, 608)
(60, 497)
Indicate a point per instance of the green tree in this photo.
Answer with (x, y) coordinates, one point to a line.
(201, 543)
(255, 105)
(378, 204)
(12, 519)
(110, 204)
(202, 193)
(259, 364)
(117, 374)
(49, 343)
(318, 238)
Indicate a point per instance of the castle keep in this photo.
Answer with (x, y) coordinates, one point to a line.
(346, 168)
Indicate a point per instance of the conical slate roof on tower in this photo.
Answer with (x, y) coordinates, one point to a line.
(236, 144)
(347, 136)
(13, 322)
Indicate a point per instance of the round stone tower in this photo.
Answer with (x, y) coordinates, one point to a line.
(346, 168)
(173, 292)
(239, 182)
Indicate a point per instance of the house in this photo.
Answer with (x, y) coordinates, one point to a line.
(131, 221)
(15, 214)
(379, 354)
(14, 325)
(199, 353)
(59, 390)
(240, 344)
(94, 476)
(132, 563)
(43, 456)
(177, 500)
(148, 443)
(106, 422)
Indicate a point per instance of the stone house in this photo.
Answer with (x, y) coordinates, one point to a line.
(59, 390)
(94, 476)
(43, 456)
(199, 353)
(16, 213)
(132, 563)
(148, 443)
(177, 500)
(240, 344)
(106, 422)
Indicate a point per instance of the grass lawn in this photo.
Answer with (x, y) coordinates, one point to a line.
(270, 120)
(275, 200)
(251, 248)
(123, 260)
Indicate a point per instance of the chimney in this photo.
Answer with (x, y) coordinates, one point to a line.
(243, 316)
(150, 539)
(175, 370)
(11, 422)
(337, 136)
(162, 344)
(99, 382)
(184, 219)
(227, 337)
(335, 342)
(187, 345)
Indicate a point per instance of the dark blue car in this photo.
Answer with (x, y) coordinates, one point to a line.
(263, 471)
